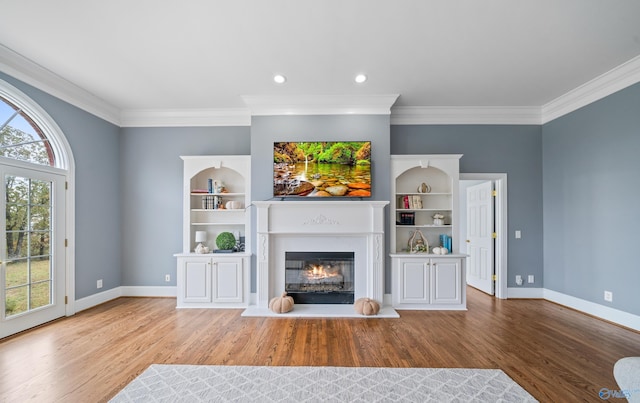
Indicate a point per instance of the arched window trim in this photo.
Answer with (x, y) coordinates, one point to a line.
(63, 163)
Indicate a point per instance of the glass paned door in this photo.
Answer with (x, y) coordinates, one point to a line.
(32, 252)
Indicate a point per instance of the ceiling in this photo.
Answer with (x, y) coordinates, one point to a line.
(120, 58)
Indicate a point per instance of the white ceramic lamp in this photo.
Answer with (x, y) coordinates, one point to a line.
(201, 236)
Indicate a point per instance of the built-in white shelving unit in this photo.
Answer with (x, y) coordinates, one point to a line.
(423, 186)
(215, 280)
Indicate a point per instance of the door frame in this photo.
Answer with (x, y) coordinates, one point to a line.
(500, 217)
(65, 165)
(68, 224)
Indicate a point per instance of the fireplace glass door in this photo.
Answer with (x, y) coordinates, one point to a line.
(320, 277)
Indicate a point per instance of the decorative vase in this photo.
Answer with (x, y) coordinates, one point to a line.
(438, 221)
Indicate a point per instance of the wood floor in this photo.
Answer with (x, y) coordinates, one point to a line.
(556, 354)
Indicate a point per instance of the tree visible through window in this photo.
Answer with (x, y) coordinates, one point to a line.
(28, 276)
(21, 138)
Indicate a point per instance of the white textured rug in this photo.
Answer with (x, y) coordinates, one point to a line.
(209, 383)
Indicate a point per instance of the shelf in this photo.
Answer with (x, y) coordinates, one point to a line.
(218, 210)
(423, 194)
(204, 224)
(423, 209)
(217, 194)
(423, 226)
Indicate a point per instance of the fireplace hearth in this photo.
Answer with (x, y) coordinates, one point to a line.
(320, 277)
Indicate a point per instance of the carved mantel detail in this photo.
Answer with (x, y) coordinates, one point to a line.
(321, 219)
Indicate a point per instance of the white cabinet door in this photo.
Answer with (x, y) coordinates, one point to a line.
(228, 281)
(196, 280)
(413, 281)
(446, 281)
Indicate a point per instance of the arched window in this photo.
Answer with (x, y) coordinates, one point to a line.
(21, 138)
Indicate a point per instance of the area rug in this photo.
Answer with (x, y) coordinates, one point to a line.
(208, 383)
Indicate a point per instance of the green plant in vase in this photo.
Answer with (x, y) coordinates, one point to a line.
(226, 241)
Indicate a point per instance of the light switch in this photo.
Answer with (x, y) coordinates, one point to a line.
(518, 234)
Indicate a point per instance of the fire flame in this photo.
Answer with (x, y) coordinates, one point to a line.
(318, 272)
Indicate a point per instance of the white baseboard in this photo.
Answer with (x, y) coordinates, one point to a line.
(124, 291)
(146, 291)
(537, 293)
(604, 312)
(97, 299)
(591, 308)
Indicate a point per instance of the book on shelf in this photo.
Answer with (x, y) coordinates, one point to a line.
(417, 202)
(411, 202)
(407, 218)
(405, 202)
(446, 242)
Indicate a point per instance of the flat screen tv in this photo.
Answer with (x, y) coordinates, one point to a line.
(322, 169)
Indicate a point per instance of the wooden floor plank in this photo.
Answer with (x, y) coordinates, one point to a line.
(555, 353)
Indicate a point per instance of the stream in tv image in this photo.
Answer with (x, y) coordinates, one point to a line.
(322, 169)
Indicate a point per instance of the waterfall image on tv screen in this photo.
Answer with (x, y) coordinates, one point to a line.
(322, 169)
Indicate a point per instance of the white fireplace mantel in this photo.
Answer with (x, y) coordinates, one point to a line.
(320, 225)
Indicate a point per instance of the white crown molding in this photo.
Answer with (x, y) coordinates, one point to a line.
(35, 75)
(604, 85)
(466, 115)
(320, 104)
(185, 117)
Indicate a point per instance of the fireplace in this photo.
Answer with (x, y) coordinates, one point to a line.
(320, 277)
(317, 226)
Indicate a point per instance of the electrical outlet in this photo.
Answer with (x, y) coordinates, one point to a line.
(167, 277)
(99, 284)
(608, 296)
(518, 234)
(530, 279)
(518, 279)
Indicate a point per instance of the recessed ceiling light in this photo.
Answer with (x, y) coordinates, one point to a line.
(279, 78)
(361, 78)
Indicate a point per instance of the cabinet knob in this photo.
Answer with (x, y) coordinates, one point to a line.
(468, 241)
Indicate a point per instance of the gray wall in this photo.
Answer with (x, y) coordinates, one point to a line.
(265, 130)
(591, 201)
(94, 143)
(129, 181)
(510, 149)
(151, 193)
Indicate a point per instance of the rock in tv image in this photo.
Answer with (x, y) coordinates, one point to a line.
(322, 169)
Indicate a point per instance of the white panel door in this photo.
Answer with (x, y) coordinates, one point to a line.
(480, 241)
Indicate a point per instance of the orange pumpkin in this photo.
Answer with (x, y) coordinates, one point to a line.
(282, 304)
(366, 306)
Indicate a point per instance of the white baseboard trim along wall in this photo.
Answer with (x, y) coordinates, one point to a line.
(124, 291)
(600, 311)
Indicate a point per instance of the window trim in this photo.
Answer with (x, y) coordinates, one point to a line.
(63, 163)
